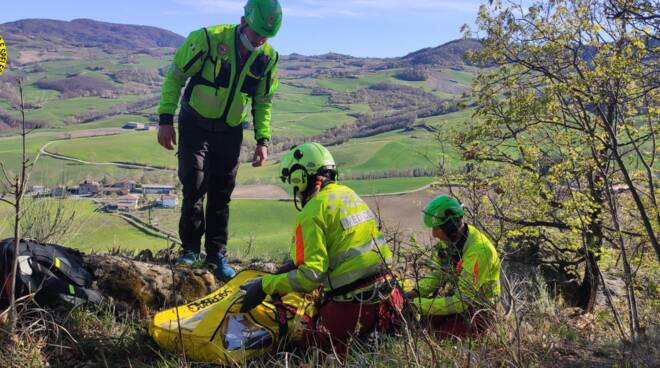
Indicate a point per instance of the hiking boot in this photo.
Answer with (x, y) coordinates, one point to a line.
(220, 267)
(188, 257)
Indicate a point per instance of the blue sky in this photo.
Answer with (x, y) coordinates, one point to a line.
(379, 28)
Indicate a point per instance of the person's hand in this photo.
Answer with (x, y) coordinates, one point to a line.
(254, 295)
(167, 136)
(260, 155)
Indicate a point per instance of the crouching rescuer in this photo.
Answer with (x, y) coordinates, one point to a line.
(338, 248)
(228, 68)
(465, 266)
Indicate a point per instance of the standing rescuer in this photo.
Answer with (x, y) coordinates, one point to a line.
(337, 246)
(467, 264)
(227, 67)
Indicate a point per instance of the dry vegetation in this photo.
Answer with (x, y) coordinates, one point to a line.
(536, 329)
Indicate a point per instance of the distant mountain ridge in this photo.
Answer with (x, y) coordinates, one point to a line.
(87, 33)
(92, 33)
(448, 53)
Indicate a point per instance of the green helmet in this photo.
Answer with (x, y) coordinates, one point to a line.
(264, 16)
(302, 163)
(441, 209)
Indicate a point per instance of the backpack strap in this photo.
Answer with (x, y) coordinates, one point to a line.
(61, 261)
(197, 78)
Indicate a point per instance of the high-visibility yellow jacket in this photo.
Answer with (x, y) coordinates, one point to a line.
(474, 280)
(217, 88)
(336, 243)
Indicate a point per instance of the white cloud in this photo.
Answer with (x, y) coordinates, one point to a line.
(339, 8)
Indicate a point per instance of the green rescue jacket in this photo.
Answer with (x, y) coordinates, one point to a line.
(217, 89)
(475, 279)
(336, 243)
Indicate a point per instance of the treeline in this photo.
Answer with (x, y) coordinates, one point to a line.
(401, 173)
(9, 93)
(126, 108)
(365, 125)
(137, 75)
(9, 122)
(414, 74)
(385, 96)
(79, 86)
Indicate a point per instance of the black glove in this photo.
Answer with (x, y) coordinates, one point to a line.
(288, 266)
(254, 295)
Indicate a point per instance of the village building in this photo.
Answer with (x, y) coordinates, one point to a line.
(88, 187)
(158, 189)
(58, 191)
(128, 185)
(39, 190)
(134, 125)
(128, 202)
(74, 190)
(168, 201)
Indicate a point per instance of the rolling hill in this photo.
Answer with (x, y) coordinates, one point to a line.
(30, 33)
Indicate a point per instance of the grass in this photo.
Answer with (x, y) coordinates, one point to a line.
(366, 80)
(296, 113)
(50, 171)
(378, 154)
(136, 147)
(540, 332)
(56, 111)
(387, 185)
(307, 124)
(92, 230)
(257, 228)
(395, 150)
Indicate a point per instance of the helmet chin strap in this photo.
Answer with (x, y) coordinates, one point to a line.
(295, 199)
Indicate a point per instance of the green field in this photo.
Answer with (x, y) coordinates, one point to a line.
(260, 229)
(92, 230)
(378, 154)
(463, 78)
(135, 147)
(257, 228)
(387, 185)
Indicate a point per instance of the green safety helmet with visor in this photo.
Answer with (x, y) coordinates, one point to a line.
(301, 164)
(441, 209)
(264, 16)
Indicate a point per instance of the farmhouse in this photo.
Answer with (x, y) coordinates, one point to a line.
(134, 125)
(168, 201)
(127, 202)
(157, 188)
(88, 187)
(128, 185)
(58, 191)
(38, 189)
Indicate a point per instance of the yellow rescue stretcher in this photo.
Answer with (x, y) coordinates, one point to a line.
(212, 329)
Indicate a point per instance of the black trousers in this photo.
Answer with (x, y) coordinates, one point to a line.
(208, 163)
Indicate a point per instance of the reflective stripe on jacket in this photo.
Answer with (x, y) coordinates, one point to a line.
(217, 90)
(336, 242)
(475, 279)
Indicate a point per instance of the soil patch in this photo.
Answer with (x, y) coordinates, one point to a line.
(403, 211)
(260, 191)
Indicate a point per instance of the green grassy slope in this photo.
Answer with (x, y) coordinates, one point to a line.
(258, 228)
(92, 230)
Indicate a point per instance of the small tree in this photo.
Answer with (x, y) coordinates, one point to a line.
(564, 133)
(15, 189)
